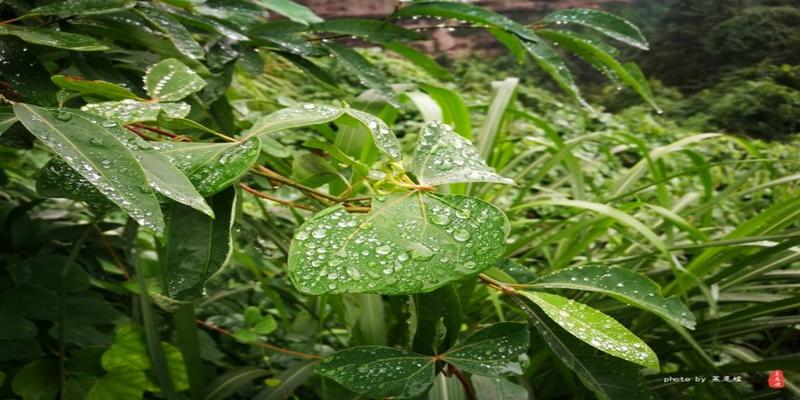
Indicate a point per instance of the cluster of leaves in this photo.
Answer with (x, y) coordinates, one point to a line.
(347, 219)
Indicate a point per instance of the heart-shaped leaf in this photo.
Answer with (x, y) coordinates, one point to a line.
(212, 167)
(99, 157)
(380, 371)
(443, 156)
(196, 245)
(409, 242)
(129, 111)
(171, 80)
(53, 38)
(66, 8)
(497, 350)
(628, 286)
(103, 89)
(595, 328)
(608, 24)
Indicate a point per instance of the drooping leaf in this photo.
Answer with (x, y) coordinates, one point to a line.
(171, 80)
(608, 377)
(608, 24)
(122, 383)
(58, 180)
(420, 59)
(410, 242)
(370, 29)
(196, 245)
(180, 37)
(233, 379)
(99, 157)
(368, 74)
(552, 63)
(466, 12)
(595, 328)
(489, 388)
(593, 54)
(435, 320)
(628, 286)
(53, 38)
(236, 13)
(497, 350)
(290, 9)
(104, 89)
(67, 8)
(306, 114)
(382, 136)
(212, 167)
(130, 111)
(442, 157)
(454, 111)
(380, 371)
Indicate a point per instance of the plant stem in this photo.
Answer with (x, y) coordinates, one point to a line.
(275, 199)
(189, 345)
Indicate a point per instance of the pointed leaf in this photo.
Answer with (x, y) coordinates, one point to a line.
(306, 114)
(628, 286)
(196, 245)
(99, 157)
(212, 167)
(58, 180)
(409, 242)
(380, 371)
(368, 74)
(595, 328)
(67, 8)
(53, 38)
(369, 29)
(290, 9)
(493, 351)
(171, 80)
(104, 89)
(130, 111)
(443, 157)
(490, 388)
(466, 12)
(608, 24)
(37, 380)
(382, 136)
(447, 388)
(552, 63)
(180, 37)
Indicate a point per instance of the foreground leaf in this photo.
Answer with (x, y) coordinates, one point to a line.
(595, 328)
(442, 157)
(629, 287)
(53, 38)
(99, 157)
(67, 8)
(211, 167)
(130, 111)
(196, 245)
(103, 89)
(380, 371)
(608, 24)
(409, 242)
(497, 350)
(171, 80)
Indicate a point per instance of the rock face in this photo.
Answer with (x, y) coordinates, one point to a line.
(456, 43)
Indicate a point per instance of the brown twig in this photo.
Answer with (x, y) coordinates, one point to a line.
(259, 344)
(156, 130)
(138, 132)
(452, 369)
(275, 199)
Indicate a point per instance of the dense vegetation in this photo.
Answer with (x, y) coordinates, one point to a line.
(199, 202)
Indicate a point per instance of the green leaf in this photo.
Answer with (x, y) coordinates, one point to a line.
(370, 29)
(128, 350)
(7, 118)
(595, 328)
(130, 111)
(306, 114)
(266, 325)
(382, 136)
(312, 170)
(293, 11)
(368, 74)
(212, 167)
(493, 351)
(443, 157)
(37, 380)
(552, 63)
(625, 285)
(67, 8)
(380, 371)
(594, 55)
(53, 38)
(490, 388)
(232, 380)
(180, 37)
(454, 112)
(121, 383)
(104, 89)
(196, 245)
(171, 80)
(608, 24)
(99, 157)
(410, 242)
(420, 59)
(435, 320)
(466, 12)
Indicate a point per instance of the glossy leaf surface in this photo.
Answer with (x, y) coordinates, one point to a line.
(130, 111)
(497, 350)
(552, 63)
(66, 8)
(180, 37)
(410, 242)
(53, 38)
(489, 388)
(171, 80)
(372, 30)
(103, 89)
(466, 12)
(608, 24)
(290, 9)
